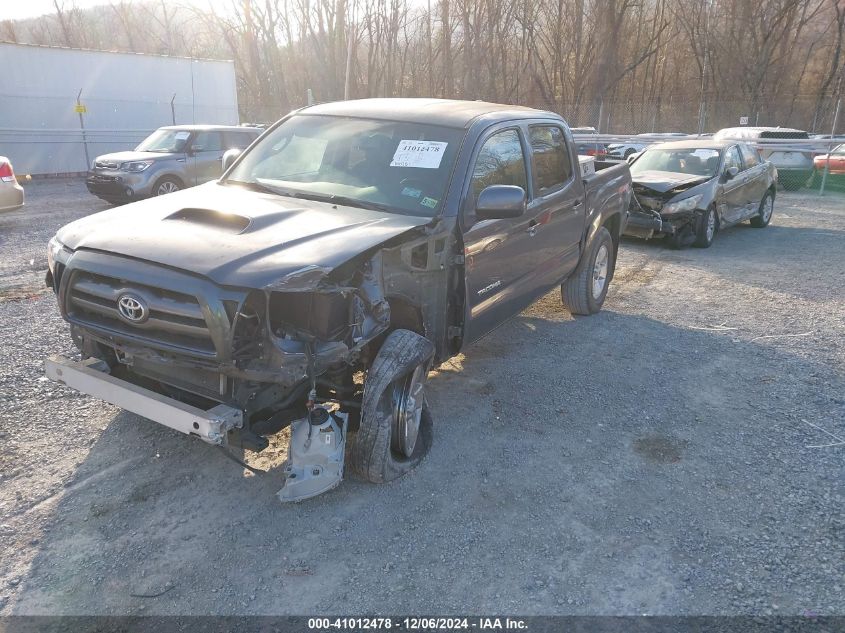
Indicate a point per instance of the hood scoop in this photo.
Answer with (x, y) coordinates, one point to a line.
(211, 219)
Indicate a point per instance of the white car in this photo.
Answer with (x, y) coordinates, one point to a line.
(795, 166)
(621, 151)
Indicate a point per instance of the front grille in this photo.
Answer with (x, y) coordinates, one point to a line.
(105, 164)
(175, 320)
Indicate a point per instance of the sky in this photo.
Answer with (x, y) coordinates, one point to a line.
(20, 9)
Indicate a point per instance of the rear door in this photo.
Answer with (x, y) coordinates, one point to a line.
(499, 260)
(557, 204)
(206, 155)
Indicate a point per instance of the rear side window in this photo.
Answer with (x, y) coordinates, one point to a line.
(500, 162)
(238, 140)
(208, 142)
(552, 167)
(750, 156)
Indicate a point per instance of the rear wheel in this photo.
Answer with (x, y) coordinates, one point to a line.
(764, 213)
(705, 228)
(395, 431)
(585, 290)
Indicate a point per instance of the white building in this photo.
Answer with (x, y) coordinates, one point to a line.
(122, 97)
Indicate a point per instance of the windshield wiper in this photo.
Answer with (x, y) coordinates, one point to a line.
(342, 200)
(258, 186)
(307, 195)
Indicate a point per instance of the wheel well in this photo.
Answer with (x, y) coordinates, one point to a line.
(405, 316)
(612, 224)
(169, 177)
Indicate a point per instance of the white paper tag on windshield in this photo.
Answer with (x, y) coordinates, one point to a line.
(181, 136)
(422, 154)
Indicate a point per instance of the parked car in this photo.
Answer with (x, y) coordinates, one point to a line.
(599, 150)
(688, 190)
(11, 193)
(834, 162)
(171, 158)
(623, 151)
(794, 166)
(313, 285)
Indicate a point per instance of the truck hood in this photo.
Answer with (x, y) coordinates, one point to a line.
(663, 181)
(123, 157)
(237, 237)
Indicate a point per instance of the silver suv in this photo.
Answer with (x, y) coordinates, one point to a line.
(171, 158)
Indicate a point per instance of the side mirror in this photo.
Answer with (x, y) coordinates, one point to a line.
(229, 157)
(500, 201)
(731, 173)
(632, 157)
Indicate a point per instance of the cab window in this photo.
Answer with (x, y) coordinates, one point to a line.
(500, 162)
(551, 165)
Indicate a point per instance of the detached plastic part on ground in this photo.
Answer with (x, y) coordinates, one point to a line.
(315, 455)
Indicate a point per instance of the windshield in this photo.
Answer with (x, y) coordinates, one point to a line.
(692, 161)
(165, 141)
(394, 166)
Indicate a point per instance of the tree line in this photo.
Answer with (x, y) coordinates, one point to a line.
(619, 65)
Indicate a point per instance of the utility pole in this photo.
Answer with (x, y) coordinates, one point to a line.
(350, 38)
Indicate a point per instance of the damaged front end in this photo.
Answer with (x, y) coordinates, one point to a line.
(233, 366)
(672, 213)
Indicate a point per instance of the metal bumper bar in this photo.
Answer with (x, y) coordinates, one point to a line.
(91, 376)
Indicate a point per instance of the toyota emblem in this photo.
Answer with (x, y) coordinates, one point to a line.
(132, 308)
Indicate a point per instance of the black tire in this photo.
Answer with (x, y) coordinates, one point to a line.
(576, 292)
(166, 185)
(704, 237)
(765, 212)
(371, 455)
(629, 151)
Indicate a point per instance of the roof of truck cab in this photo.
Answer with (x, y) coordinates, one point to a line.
(445, 112)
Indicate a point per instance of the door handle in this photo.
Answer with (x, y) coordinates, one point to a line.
(532, 228)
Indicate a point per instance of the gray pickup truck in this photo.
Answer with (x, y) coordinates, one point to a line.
(339, 257)
(171, 158)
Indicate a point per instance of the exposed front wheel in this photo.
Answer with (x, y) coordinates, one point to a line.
(165, 186)
(395, 431)
(705, 229)
(764, 213)
(585, 290)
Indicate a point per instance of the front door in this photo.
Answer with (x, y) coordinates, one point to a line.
(499, 256)
(757, 183)
(206, 155)
(734, 190)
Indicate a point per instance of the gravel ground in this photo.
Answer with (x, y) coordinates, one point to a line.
(662, 457)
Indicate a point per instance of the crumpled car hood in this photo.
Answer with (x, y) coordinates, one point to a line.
(663, 181)
(237, 237)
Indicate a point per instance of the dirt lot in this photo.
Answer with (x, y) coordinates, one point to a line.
(675, 454)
